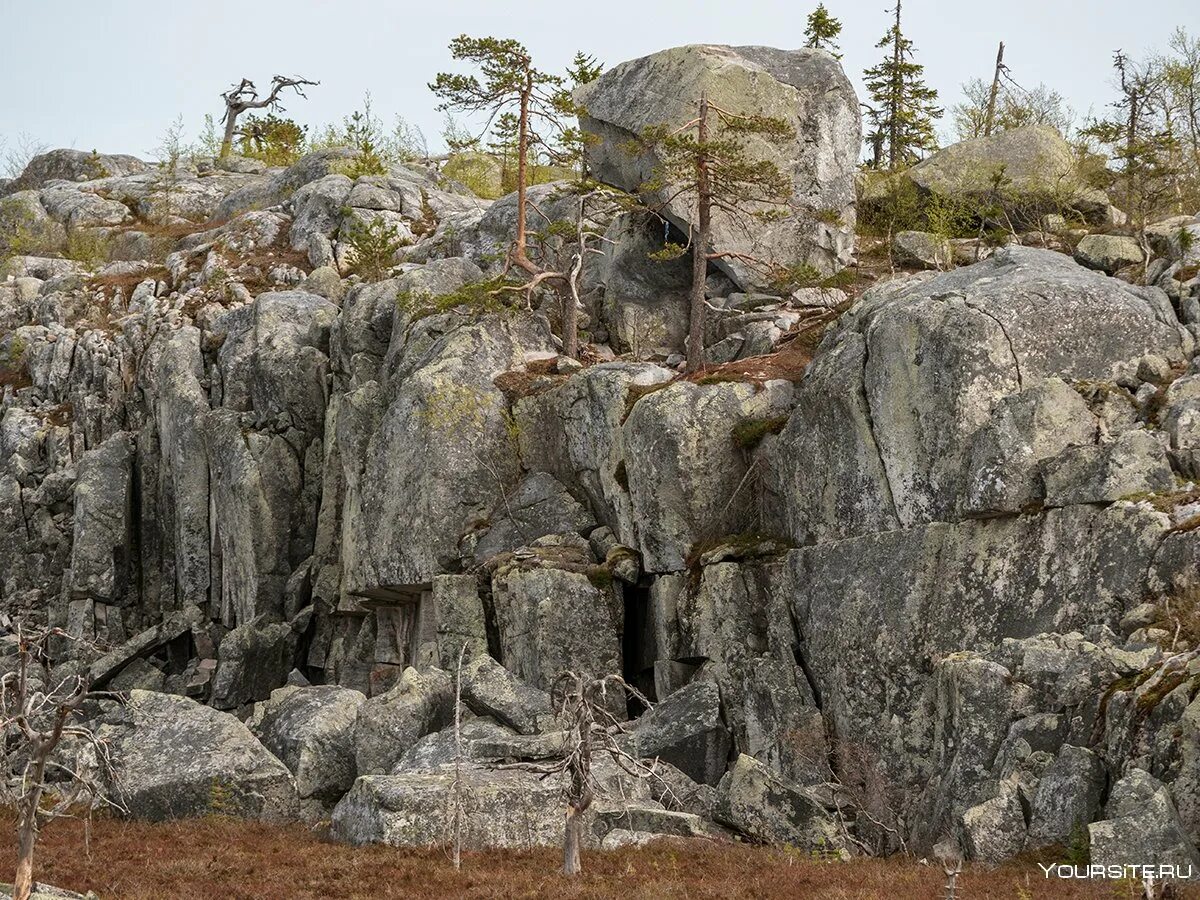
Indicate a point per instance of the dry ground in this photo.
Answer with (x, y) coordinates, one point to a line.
(217, 858)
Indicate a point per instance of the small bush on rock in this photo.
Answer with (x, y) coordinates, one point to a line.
(374, 245)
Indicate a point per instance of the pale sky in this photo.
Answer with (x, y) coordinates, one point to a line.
(112, 75)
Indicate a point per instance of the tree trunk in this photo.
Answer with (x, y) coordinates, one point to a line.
(27, 826)
(696, 307)
(990, 119)
(458, 810)
(572, 840)
(230, 128)
(570, 297)
(896, 99)
(520, 256)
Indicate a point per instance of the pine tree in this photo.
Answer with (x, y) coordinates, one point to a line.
(822, 31)
(510, 84)
(707, 162)
(905, 107)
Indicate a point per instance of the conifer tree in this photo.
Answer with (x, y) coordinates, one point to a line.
(904, 106)
(706, 163)
(822, 31)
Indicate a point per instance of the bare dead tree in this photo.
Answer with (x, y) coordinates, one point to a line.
(244, 96)
(990, 117)
(458, 806)
(950, 856)
(36, 714)
(591, 731)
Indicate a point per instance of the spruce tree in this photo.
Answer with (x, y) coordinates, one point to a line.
(904, 106)
(822, 31)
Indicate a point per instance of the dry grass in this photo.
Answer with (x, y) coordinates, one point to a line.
(211, 858)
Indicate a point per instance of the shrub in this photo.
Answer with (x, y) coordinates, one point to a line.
(23, 234)
(274, 140)
(87, 246)
(749, 434)
(374, 244)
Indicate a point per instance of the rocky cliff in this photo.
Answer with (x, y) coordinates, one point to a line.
(939, 580)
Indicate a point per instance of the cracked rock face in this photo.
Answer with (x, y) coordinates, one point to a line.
(936, 584)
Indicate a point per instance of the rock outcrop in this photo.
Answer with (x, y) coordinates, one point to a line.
(805, 88)
(918, 562)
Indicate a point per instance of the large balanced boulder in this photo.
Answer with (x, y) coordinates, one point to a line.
(174, 758)
(805, 88)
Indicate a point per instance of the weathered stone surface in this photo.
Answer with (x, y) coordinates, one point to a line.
(489, 689)
(888, 602)
(387, 725)
(442, 404)
(510, 810)
(538, 506)
(921, 249)
(252, 661)
(805, 88)
(1142, 827)
(573, 431)
(73, 165)
(460, 618)
(174, 758)
(686, 490)
(311, 730)
(759, 804)
(1008, 454)
(644, 306)
(995, 829)
(685, 730)
(737, 620)
(552, 621)
(101, 552)
(1067, 798)
(1039, 167)
(1108, 252)
(874, 401)
(1136, 463)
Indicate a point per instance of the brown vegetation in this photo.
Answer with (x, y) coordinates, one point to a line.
(198, 860)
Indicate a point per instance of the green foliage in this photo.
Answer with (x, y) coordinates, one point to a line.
(481, 172)
(749, 434)
(171, 152)
(375, 244)
(274, 140)
(1015, 108)
(95, 165)
(1145, 157)
(1186, 240)
(24, 234)
(509, 84)
(740, 185)
(209, 142)
(903, 107)
(490, 295)
(87, 246)
(822, 30)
